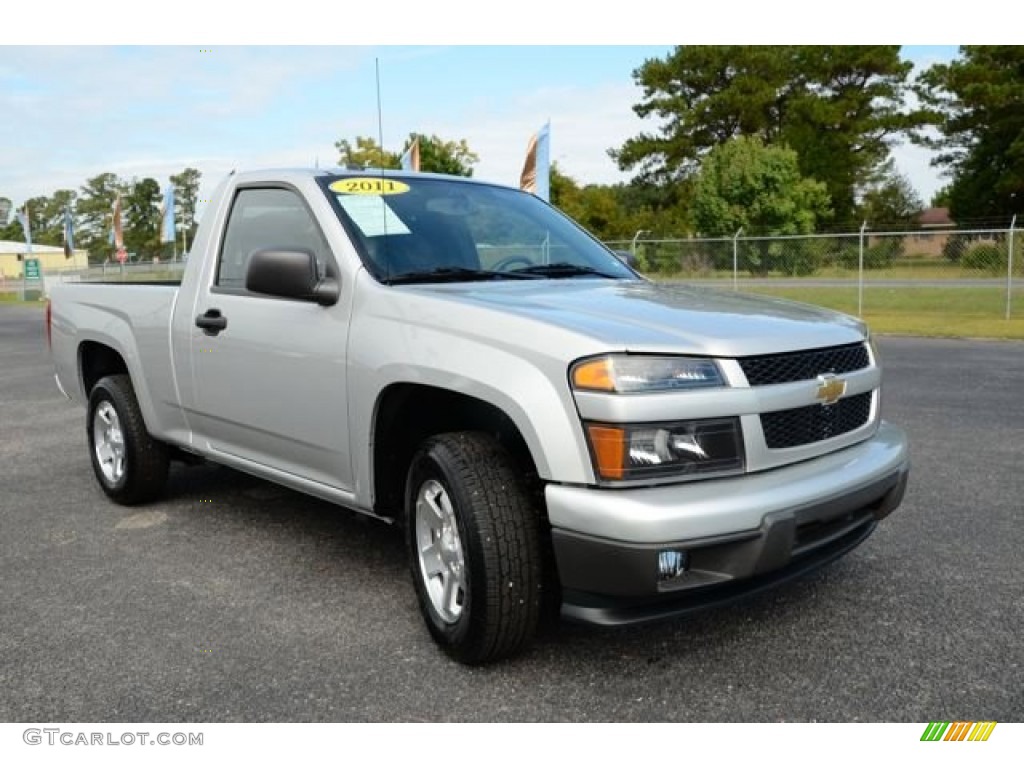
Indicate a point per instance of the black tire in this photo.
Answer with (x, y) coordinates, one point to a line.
(498, 538)
(143, 474)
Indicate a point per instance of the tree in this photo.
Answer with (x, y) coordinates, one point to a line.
(46, 215)
(437, 155)
(142, 218)
(745, 184)
(609, 212)
(186, 193)
(366, 153)
(977, 102)
(890, 202)
(838, 107)
(440, 156)
(94, 206)
(941, 197)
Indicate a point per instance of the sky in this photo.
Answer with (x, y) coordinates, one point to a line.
(71, 111)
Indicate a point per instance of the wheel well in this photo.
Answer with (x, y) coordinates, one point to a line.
(407, 414)
(97, 360)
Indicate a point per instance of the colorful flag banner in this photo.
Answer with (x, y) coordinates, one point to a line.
(69, 234)
(26, 225)
(118, 232)
(411, 158)
(536, 175)
(167, 231)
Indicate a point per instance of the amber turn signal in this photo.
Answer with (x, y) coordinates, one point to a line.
(594, 374)
(609, 446)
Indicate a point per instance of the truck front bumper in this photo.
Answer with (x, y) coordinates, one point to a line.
(735, 535)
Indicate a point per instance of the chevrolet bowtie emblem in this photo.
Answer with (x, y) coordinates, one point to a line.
(830, 389)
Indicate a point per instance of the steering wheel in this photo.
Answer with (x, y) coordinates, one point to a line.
(509, 261)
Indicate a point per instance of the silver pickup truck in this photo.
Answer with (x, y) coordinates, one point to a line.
(554, 432)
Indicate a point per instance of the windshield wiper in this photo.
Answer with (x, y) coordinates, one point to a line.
(563, 269)
(452, 275)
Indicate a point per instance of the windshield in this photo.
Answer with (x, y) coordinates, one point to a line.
(412, 229)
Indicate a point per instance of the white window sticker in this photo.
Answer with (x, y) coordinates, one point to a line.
(372, 215)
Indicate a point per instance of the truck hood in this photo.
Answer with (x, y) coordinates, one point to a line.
(640, 316)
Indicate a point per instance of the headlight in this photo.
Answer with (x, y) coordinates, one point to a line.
(623, 452)
(645, 373)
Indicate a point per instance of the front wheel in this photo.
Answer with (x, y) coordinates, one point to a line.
(129, 464)
(474, 547)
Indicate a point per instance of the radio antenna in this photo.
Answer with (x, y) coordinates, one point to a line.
(383, 203)
(380, 118)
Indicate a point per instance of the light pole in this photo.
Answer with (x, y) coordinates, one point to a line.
(637, 237)
(632, 247)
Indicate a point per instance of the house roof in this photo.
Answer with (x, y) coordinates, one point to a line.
(13, 246)
(935, 217)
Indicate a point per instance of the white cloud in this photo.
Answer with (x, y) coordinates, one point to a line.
(585, 123)
(114, 110)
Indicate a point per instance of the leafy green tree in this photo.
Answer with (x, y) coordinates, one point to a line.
(565, 192)
(141, 208)
(94, 206)
(36, 207)
(440, 156)
(977, 102)
(890, 202)
(47, 216)
(186, 193)
(941, 198)
(12, 230)
(437, 155)
(609, 212)
(745, 184)
(365, 153)
(838, 107)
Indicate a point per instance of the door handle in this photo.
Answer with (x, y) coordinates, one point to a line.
(212, 322)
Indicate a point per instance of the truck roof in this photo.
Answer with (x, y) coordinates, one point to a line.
(285, 173)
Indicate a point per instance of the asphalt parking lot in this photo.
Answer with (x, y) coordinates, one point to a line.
(236, 600)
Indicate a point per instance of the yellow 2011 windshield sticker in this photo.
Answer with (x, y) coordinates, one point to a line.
(369, 186)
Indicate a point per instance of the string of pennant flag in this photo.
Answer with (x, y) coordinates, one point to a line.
(535, 178)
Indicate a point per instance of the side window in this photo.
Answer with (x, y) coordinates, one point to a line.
(266, 218)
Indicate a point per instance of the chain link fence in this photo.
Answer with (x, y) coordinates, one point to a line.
(978, 271)
(962, 272)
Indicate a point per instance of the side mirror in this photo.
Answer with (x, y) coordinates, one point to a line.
(291, 274)
(627, 257)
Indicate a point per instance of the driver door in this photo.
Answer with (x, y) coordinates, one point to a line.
(270, 387)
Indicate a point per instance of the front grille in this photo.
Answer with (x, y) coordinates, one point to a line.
(812, 423)
(800, 366)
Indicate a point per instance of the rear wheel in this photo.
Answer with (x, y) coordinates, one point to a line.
(129, 464)
(474, 551)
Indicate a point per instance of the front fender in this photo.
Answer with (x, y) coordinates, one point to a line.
(386, 347)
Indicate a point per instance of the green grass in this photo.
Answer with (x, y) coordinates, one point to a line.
(930, 270)
(14, 297)
(965, 312)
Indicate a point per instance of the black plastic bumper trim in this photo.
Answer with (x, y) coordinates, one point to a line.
(575, 606)
(608, 582)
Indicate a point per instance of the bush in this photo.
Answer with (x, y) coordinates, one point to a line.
(955, 247)
(794, 258)
(882, 253)
(878, 255)
(988, 256)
